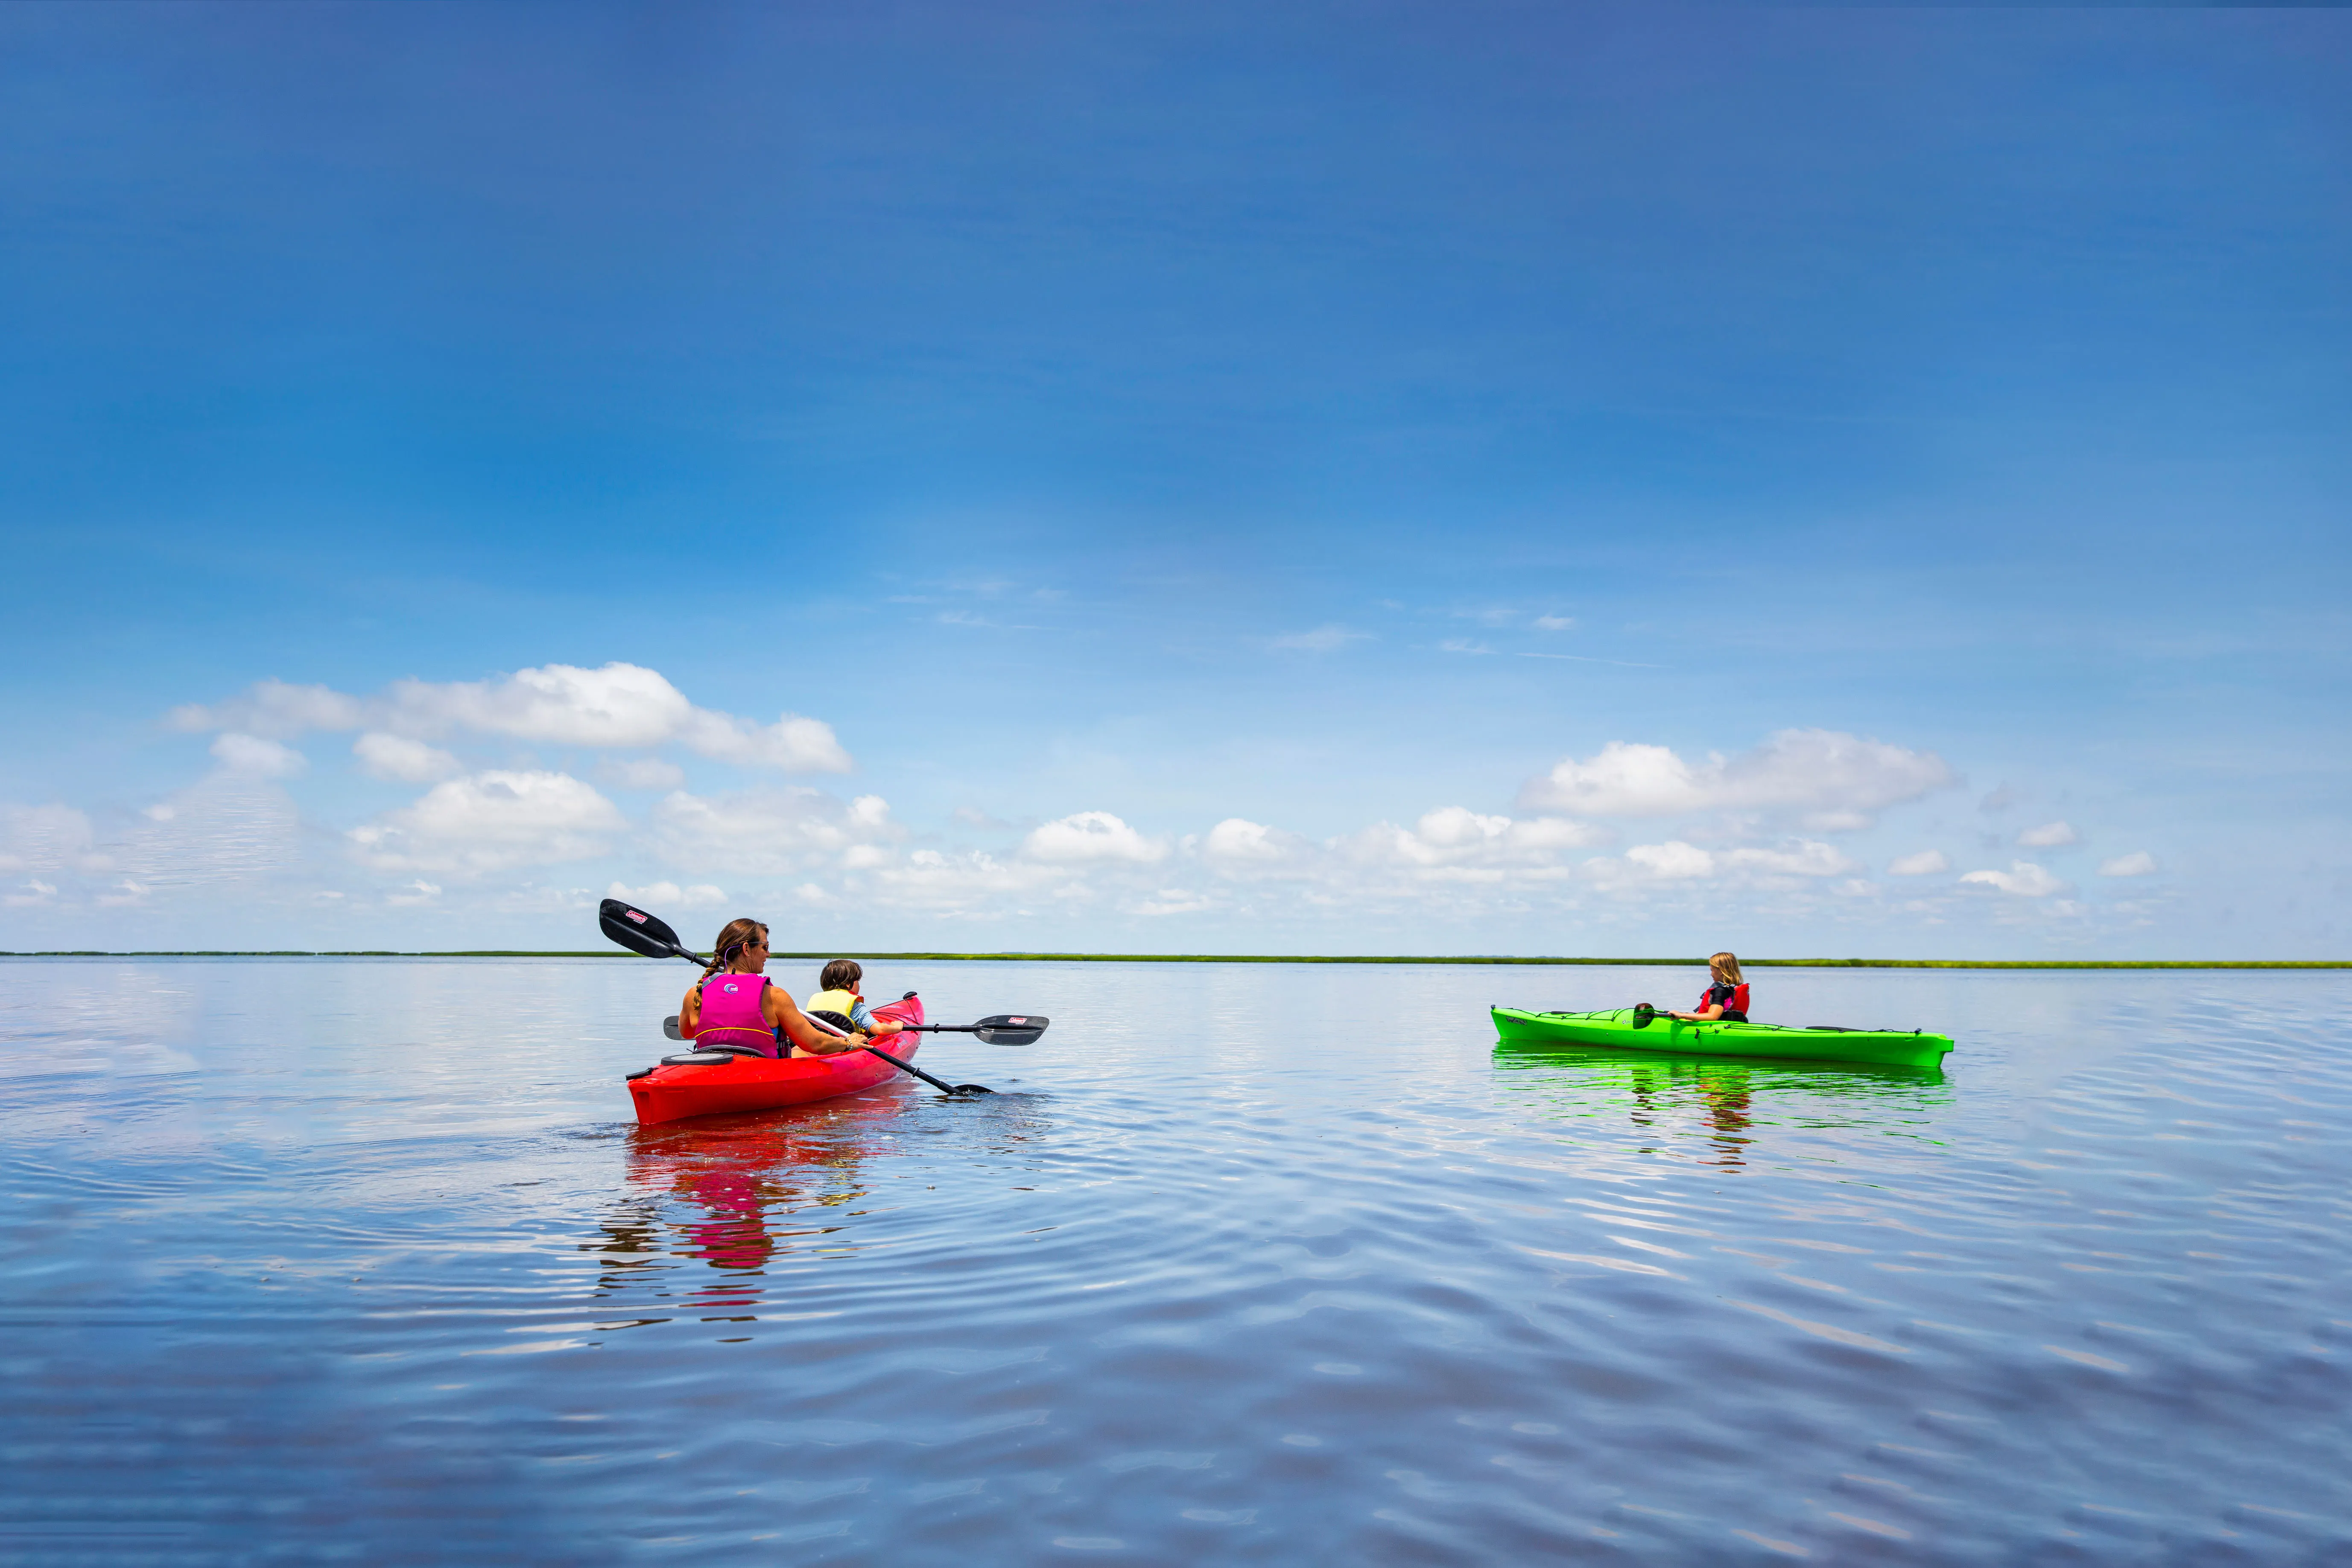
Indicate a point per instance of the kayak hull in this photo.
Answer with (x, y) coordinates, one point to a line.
(1615, 1031)
(764, 1083)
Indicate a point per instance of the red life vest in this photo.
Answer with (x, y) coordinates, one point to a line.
(1733, 997)
(734, 1013)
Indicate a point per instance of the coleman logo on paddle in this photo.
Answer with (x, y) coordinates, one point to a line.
(638, 916)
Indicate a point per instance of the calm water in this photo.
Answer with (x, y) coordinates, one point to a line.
(365, 1260)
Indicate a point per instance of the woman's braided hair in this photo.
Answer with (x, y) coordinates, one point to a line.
(737, 935)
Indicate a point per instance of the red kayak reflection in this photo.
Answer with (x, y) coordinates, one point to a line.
(754, 1186)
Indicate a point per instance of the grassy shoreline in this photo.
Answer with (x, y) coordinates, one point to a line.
(1493, 959)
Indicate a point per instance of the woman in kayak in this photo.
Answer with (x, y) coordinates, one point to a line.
(734, 1004)
(1726, 998)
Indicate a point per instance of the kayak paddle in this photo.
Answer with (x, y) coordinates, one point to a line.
(1000, 1030)
(638, 932)
(641, 932)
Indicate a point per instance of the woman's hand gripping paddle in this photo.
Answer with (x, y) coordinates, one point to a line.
(638, 932)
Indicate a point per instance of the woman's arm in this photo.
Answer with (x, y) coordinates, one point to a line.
(689, 1012)
(1706, 1015)
(782, 1012)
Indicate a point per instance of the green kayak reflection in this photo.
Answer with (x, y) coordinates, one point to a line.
(1731, 1105)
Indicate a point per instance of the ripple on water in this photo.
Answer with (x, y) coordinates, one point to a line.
(319, 1250)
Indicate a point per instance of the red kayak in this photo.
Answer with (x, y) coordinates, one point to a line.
(672, 1091)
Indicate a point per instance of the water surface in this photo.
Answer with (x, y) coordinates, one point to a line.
(364, 1261)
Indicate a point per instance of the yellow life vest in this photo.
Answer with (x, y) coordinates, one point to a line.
(840, 1002)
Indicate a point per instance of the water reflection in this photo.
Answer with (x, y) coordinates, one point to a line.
(739, 1195)
(1728, 1105)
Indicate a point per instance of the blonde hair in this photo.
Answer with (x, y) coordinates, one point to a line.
(1725, 967)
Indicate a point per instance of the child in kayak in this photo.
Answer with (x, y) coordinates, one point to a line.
(734, 1004)
(837, 992)
(1725, 1000)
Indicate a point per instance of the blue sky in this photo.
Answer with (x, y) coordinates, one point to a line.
(1367, 479)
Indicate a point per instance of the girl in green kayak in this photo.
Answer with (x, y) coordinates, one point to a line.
(1725, 999)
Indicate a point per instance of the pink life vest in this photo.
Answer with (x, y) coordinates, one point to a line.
(732, 1014)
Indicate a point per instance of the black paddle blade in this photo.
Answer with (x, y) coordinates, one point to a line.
(669, 1028)
(639, 932)
(1004, 1029)
(1643, 1014)
(971, 1088)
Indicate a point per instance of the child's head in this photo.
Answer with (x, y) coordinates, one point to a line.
(841, 974)
(1723, 966)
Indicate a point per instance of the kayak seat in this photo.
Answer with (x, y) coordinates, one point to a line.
(709, 1058)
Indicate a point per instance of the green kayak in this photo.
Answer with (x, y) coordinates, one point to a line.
(1617, 1030)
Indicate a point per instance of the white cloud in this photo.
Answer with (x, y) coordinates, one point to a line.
(274, 709)
(1090, 835)
(1454, 843)
(1807, 857)
(792, 744)
(956, 884)
(1462, 645)
(227, 826)
(669, 895)
(1175, 901)
(1835, 780)
(1554, 623)
(491, 822)
(618, 705)
(641, 773)
(1237, 841)
(256, 758)
(2138, 863)
(2023, 879)
(768, 832)
(411, 894)
(43, 838)
(1322, 639)
(35, 891)
(2049, 836)
(1926, 863)
(127, 894)
(399, 758)
(1674, 860)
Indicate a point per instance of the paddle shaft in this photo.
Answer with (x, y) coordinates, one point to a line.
(910, 1067)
